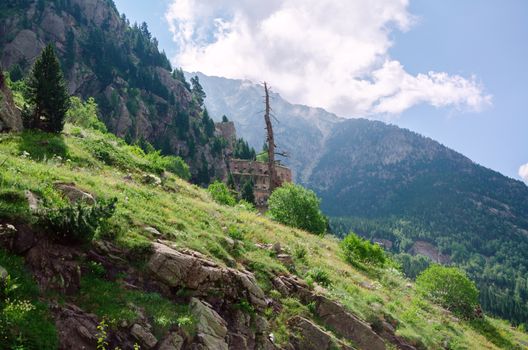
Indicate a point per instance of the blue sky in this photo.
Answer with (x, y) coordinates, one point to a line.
(475, 102)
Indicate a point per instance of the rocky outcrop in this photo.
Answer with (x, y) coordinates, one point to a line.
(10, 117)
(202, 277)
(308, 336)
(331, 314)
(210, 327)
(76, 328)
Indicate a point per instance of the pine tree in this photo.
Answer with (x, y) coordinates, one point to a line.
(247, 192)
(197, 91)
(47, 93)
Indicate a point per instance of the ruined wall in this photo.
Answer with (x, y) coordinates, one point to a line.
(242, 170)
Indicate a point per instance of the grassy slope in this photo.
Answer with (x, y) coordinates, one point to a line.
(186, 215)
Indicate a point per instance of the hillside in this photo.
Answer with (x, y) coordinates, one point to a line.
(119, 64)
(391, 184)
(171, 269)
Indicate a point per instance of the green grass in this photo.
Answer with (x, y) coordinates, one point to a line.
(111, 301)
(25, 322)
(187, 216)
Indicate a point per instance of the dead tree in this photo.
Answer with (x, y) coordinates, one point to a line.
(274, 182)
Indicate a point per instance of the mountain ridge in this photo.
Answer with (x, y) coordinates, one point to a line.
(390, 183)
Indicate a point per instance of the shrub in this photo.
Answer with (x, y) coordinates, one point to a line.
(295, 206)
(357, 249)
(84, 114)
(450, 288)
(220, 193)
(320, 276)
(77, 223)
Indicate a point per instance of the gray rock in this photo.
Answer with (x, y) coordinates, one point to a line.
(3, 274)
(152, 231)
(147, 339)
(309, 336)
(10, 118)
(150, 179)
(172, 342)
(33, 201)
(202, 276)
(211, 328)
(74, 194)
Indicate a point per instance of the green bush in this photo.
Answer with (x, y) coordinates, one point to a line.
(295, 206)
(357, 249)
(220, 193)
(84, 114)
(320, 276)
(77, 223)
(450, 288)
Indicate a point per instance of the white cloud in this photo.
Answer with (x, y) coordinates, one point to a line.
(523, 172)
(327, 53)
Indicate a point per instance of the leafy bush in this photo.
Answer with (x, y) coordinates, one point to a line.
(84, 114)
(220, 193)
(77, 223)
(295, 206)
(450, 288)
(357, 249)
(320, 276)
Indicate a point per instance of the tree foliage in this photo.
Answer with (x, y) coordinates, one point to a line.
(356, 249)
(450, 288)
(247, 191)
(84, 114)
(221, 194)
(47, 94)
(296, 206)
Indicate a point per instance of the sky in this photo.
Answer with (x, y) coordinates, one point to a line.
(451, 70)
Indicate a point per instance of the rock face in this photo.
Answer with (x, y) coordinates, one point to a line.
(202, 277)
(76, 329)
(131, 81)
(332, 314)
(10, 118)
(211, 328)
(309, 336)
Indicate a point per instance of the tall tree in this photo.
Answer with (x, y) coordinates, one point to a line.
(47, 93)
(197, 91)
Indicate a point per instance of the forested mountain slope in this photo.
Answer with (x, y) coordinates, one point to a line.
(389, 183)
(105, 57)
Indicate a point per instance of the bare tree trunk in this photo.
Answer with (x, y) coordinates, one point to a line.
(271, 143)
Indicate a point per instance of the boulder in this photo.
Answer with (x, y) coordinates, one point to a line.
(10, 117)
(33, 201)
(150, 179)
(55, 267)
(210, 327)
(338, 318)
(308, 336)
(74, 194)
(3, 275)
(76, 329)
(202, 277)
(146, 339)
(173, 341)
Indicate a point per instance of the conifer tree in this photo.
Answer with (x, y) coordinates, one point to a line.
(247, 192)
(47, 93)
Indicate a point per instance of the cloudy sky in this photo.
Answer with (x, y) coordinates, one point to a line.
(452, 70)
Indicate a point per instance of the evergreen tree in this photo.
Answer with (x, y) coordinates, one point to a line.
(224, 119)
(47, 94)
(16, 74)
(247, 192)
(197, 91)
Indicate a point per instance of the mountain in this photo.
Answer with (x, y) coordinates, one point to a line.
(163, 266)
(104, 56)
(399, 188)
(300, 131)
